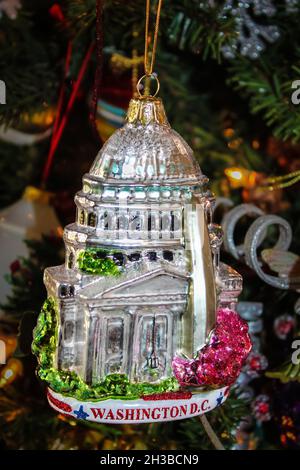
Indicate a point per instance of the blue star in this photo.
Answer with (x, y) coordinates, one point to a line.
(81, 414)
(220, 399)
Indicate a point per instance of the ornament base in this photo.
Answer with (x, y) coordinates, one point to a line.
(169, 406)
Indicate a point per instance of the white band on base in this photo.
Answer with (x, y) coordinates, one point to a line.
(164, 407)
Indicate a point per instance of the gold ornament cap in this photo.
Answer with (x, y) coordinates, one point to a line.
(147, 110)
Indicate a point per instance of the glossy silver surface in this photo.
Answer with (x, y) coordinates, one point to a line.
(145, 197)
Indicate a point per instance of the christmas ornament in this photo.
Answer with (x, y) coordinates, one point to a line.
(117, 88)
(284, 325)
(252, 313)
(10, 372)
(278, 258)
(10, 8)
(109, 118)
(261, 408)
(28, 218)
(8, 344)
(251, 35)
(33, 127)
(137, 325)
(256, 363)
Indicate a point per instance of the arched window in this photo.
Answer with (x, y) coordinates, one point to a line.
(165, 222)
(106, 220)
(81, 217)
(122, 221)
(172, 228)
(71, 260)
(92, 219)
(69, 332)
(135, 222)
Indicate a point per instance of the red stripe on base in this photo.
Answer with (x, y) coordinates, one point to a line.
(59, 404)
(168, 396)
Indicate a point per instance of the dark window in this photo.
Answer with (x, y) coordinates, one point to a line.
(101, 254)
(71, 260)
(64, 291)
(106, 220)
(92, 219)
(168, 255)
(134, 257)
(81, 217)
(152, 255)
(119, 258)
(172, 222)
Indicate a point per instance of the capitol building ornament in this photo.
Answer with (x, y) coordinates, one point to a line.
(139, 324)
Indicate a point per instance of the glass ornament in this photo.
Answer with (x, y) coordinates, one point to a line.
(139, 289)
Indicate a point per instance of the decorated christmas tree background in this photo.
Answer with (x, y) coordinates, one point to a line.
(228, 73)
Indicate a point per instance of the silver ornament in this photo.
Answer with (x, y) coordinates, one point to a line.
(142, 216)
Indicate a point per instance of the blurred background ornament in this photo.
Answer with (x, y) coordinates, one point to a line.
(117, 88)
(251, 34)
(29, 218)
(278, 259)
(229, 222)
(268, 201)
(32, 128)
(10, 372)
(284, 263)
(261, 408)
(9, 343)
(254, 238)
(10, 8)
(108, 118)
(297, 307)
(252, 313)
(284, 326)
(256, 363)
(255, 190)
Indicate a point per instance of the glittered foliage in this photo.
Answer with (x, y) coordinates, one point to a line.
(45, 334)
(93, 261)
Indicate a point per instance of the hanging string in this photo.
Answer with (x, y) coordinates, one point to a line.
(149, 66)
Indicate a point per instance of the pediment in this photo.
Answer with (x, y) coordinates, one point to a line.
(150, 285)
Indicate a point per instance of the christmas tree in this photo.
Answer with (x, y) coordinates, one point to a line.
(228, 73)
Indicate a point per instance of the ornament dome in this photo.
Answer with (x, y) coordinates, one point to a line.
(146, 150)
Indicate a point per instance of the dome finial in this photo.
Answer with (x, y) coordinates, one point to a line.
(146, 110)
